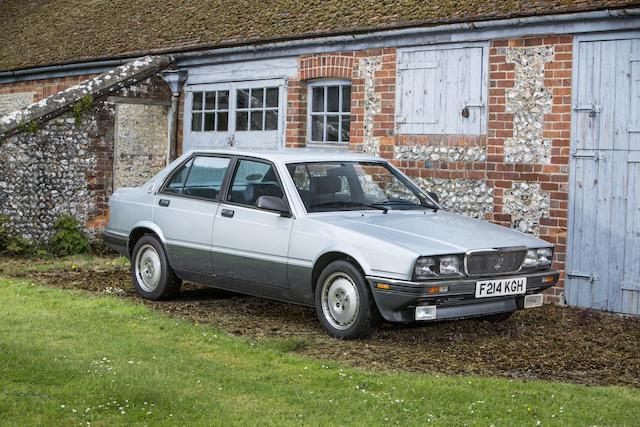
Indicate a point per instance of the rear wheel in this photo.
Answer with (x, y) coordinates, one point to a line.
(153, 277)
(344, 303)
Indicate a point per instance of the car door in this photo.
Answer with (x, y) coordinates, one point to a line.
(185, 210)
(251, 244)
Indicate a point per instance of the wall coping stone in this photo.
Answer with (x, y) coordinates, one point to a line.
(98, 86)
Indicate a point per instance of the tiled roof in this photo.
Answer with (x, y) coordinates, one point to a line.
(45, 32)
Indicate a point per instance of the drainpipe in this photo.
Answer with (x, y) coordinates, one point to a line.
(175, 79)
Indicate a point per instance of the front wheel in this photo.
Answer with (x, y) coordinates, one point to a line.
(344, 304)
(153, 277)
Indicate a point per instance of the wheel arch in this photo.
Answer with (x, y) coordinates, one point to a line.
(141, 229)
(327, 258)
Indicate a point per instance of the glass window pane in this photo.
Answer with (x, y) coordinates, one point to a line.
(196, 122)
(205, 178)
(223, 100)
(346, 128)
(333, 98)
(332, 128)
(271, 120)
(346, 98)
(317, 127)
(257, 98)
(317, 96)
(272, 97)
(256, 120)
(223, 122)
(209, 100)
(242, 121)
(177, 181)
(252, 180)
(209, 122)
(243, 98)
(197, 101)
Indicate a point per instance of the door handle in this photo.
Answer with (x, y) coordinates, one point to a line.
(164, 202)
(227, 213)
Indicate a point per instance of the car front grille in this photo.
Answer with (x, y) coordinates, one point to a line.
(498, 261)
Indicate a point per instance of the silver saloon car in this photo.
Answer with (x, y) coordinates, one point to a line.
(345, 233)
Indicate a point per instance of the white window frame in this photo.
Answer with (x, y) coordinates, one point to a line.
(233, 137)
(326, 83)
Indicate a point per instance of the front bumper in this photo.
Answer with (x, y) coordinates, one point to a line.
(398, 302)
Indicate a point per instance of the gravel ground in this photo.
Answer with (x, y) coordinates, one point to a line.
(552, 343)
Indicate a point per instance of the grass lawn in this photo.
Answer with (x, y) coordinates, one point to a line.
(68, 358)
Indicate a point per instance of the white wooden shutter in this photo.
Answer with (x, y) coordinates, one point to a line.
(436, 84)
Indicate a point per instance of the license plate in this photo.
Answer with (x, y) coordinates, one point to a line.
(501, 287)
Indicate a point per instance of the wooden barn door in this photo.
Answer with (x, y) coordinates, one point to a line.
(603, 265)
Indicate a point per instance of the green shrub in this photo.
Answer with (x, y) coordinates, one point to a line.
(82, 107)
(19, 246)
(4, 234)
(68, 239)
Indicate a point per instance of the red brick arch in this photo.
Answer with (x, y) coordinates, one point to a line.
(331, 65)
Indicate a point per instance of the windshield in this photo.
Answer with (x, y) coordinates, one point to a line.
(340, 186)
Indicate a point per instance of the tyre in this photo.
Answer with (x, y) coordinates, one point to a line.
(344, 303)
(153, 277)
(498, 317)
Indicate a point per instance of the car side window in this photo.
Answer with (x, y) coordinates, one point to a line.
(205, 177)
(200, 177)
(252, 180)
(176, 183)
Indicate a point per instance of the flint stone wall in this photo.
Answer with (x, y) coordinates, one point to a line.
(527, 204)
(55, 171)
(529, 100)
(141, 143)
(367, 68)
(469, 197)
(68, 168)
(14, 101)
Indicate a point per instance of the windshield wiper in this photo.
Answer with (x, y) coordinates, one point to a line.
(348, 203)
(405, 203)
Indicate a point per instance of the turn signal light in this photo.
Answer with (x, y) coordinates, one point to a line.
(437, 289)
(548, 279)
(383, 286)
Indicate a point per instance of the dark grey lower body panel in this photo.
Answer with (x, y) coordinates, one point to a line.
(117, 243)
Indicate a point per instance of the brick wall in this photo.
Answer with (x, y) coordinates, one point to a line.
(516, 175)
(372, 75)
(552, 175)
(43, 88)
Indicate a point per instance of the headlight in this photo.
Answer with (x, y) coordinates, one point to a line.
(545, 257)
(425, 267)
(542, 257)
(531, 260)
(436, 266)
(449, 265)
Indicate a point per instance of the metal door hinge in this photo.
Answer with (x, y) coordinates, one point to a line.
(592, 109)
(592, 277)
(588, 154)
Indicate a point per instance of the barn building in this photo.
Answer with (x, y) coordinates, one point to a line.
(524, 113)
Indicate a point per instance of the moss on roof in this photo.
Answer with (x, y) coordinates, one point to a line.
(45, 32)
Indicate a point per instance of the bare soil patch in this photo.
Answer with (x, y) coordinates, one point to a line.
(552, 343)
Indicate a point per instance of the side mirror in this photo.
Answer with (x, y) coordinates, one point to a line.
(275, 204)
(434, 196)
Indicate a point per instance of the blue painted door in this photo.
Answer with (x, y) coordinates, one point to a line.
(603, 253)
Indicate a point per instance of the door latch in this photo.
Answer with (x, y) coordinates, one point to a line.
(592, 109)
(591, 277)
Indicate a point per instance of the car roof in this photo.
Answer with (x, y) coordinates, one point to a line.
(292, 155)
